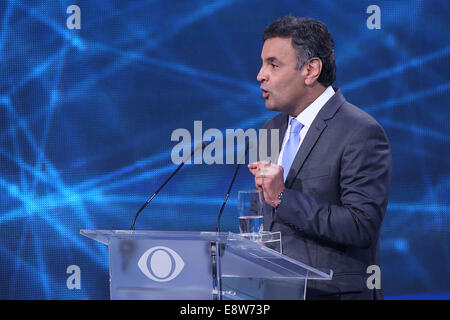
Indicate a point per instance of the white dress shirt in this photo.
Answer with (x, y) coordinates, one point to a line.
(306, 117)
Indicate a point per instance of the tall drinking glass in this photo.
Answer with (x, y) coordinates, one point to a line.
(251, 216)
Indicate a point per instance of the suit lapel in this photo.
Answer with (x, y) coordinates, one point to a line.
(280, 123)
(282, 132)
(308, 143)
(317, 127)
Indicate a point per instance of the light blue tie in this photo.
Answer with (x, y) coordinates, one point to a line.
(290, 149)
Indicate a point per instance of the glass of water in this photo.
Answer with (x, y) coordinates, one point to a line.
(251, 216)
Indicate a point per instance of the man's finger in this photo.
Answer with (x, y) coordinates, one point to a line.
(254, 171)
(253, 165)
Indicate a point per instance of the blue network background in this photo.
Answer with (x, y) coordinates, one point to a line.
(86, 118)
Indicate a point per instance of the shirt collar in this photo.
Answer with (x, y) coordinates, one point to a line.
(307, 116)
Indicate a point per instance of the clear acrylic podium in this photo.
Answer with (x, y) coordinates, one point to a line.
(200, 266)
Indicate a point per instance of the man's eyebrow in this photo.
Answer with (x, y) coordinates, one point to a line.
(272, 59)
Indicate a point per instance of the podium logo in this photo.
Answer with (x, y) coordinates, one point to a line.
(160, 264)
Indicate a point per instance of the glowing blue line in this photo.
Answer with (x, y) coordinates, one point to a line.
(38, 70)
(43, 276)
(18, 262)
(29, 269)
(415, 62)
(63, 232)
(23, 179)
(122, 12)
(51, 107)
(5, 24)
(127, 169)
(408, 98)
(16, 193)
(135, 179)
(191, 19)
(24, 166)
(70, 37)
(177, 26)
(415, 130)
(32, 205)
(59, 184)
(190, 71)
(33, 144)
(153, 174)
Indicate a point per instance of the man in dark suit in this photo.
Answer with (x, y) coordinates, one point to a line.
(328, 193)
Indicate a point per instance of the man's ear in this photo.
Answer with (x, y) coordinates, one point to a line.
(313, 67)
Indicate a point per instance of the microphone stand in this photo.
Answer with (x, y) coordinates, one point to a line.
(203, 144)
(215, 247)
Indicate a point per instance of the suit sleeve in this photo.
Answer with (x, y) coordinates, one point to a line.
(365, 177)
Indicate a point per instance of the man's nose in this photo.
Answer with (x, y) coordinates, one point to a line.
(261, 75)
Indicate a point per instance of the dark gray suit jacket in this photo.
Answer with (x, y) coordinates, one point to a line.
(335, 199)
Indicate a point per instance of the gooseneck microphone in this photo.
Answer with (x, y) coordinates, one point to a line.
(216, 250)
(247, 147)
(201, 145)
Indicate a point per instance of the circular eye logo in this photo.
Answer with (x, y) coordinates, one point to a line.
(160, 264)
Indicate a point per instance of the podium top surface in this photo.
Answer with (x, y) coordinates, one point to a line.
(238, 245)
(104, 236)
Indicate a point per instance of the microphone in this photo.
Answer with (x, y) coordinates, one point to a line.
(201, 145)
(248, 146)
(216, 250)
